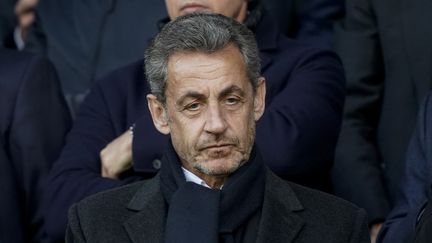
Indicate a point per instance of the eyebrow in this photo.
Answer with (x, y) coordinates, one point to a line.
(231, 89)
(190, 94)
(198, 96)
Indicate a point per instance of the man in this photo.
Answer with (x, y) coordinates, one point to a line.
(87, 39)
(33, 123)
(388, 65)
(305, 85)
(207, 94)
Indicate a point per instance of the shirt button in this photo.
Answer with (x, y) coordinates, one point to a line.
(157, 164)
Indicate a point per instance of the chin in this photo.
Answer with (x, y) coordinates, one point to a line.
(218, 167)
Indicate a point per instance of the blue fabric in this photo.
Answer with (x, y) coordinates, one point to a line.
(296, 135)
(33, 123)
(416, 184)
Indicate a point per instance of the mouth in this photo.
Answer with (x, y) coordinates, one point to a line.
(192, 8)
(217, 146)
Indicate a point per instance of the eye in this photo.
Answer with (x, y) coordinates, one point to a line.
(193, 106)
(232, 101)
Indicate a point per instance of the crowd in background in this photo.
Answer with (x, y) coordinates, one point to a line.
(348, 110)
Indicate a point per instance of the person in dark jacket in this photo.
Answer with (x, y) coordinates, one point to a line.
(33, 123)
(388, 66)
(87, 39)
(416, 188)
(297, 134)
(207, 94)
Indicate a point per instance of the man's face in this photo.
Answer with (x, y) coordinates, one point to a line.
(235, 9)
(210, 110)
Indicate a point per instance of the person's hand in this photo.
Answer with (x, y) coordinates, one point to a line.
(116, 157)
(24, 10)
(374, 230)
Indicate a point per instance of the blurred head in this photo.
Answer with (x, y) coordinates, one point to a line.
(236, 9)
(207, 92)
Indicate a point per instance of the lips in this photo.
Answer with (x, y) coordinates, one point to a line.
(215, 146)
(192, 7)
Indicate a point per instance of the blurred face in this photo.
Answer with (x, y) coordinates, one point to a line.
(210, 111)
(235, 9)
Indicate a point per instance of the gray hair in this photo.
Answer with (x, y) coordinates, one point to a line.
(200, 32)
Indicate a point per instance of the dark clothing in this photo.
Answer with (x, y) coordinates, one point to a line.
(417, 182)
(304, 85)
(389, 70)
(423, 232)
(8, 22)
(33, 123)
(290, 213)
(309, 21)
(215, 215)
(86, 39)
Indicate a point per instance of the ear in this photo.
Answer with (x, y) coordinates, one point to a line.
(259, 100)
(159, 114)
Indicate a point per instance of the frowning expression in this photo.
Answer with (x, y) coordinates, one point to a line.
(211, 110)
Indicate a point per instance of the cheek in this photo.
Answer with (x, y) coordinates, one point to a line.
(185, 131)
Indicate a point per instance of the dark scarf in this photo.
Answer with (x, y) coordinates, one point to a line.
(199, 214)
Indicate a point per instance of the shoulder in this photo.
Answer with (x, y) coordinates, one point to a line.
(113, 206)
(315, 204)
(323, 203)
(306, 53)
(114, 198)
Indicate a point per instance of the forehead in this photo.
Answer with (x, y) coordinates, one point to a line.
(206, 71)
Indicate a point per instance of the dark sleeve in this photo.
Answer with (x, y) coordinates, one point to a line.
(357, 174)
(39, 124)
(74, 233)
(423, 232)
(77, 173)
(360, 232)
(298, 131)
(316, 19)
(417, 181)
(11, 225)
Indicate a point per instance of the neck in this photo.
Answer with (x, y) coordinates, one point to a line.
(213, 181)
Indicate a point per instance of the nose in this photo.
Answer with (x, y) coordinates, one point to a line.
(215, 120)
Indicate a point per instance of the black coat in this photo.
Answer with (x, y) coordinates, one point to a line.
(386, 50)
(296, 134)
(33, 123)
(290, 214)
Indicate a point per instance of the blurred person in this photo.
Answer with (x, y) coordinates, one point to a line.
(25, 13)
(33, 123)
(305, 85)
(409, 207)
(87, 39)
(310, 21)
(207, 94)
(388, 64)
(7, 24)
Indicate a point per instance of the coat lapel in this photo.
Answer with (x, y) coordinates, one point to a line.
(147, 224)
(280, 207)
(417, 33)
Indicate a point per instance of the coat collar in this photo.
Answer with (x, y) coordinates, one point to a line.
(147, 224)
(280, 207)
